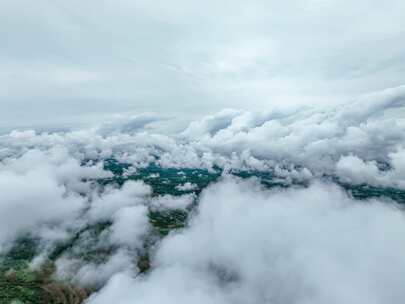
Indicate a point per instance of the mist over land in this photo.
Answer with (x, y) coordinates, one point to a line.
(188, 153)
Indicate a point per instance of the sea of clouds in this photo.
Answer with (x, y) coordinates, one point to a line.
(244, 243)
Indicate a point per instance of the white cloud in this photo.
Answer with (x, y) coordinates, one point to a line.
(247, 245)
(354, 170)
(187, 186)
(112, 200)
(40, 189)
(172, 202)
(130, 226)
(91, 274)
(301, 142)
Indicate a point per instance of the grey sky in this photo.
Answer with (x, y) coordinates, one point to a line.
(68, 62)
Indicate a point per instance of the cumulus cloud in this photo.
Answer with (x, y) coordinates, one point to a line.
(41, 189)
(130, 225)
(187, 186)
(353, 170)
(167, 202)
(294, 144)
(248, 245)
(112, 200)
(316, 138)
(51, 195)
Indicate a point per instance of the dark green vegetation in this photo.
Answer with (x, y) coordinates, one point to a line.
(162, 180)
(19, 284)
(17, 281)
(367, 191)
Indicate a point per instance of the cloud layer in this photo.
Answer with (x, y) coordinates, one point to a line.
(293, 144)
(74, 62)
(303, 239)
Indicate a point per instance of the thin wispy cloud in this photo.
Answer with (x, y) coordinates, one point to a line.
(62, 60)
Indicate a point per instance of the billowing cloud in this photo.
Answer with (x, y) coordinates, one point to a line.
(246, 244)
(294, 144)
(354, 170)
(40, 190)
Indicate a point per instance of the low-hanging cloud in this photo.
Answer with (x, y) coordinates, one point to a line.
(308, 243)
(41, 189)
(300, 143)
(353, 170)
(249, 245)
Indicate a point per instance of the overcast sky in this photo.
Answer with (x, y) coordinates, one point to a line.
(68, 62)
